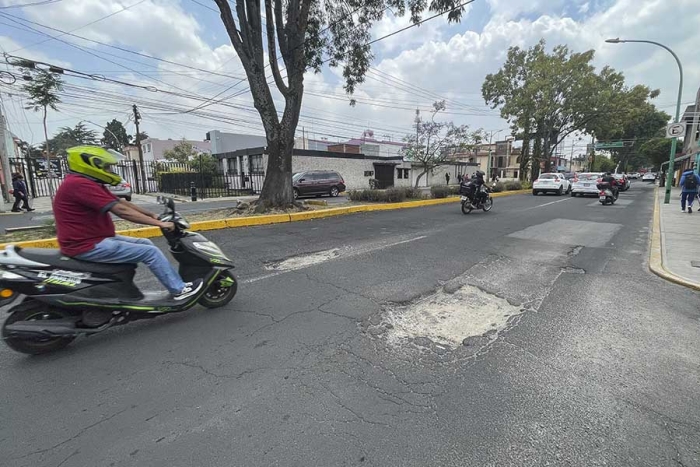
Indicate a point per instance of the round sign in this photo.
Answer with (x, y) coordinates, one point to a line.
(675, 130)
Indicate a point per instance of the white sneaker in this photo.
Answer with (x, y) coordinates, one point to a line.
(190, 289)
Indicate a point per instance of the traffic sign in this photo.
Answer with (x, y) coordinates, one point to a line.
(675, 130)
(610, 145)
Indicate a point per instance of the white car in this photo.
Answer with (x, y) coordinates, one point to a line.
(551, 182)
(585, 184)
(648, 177)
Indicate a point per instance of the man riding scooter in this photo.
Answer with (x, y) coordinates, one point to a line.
(609, 179)
(84, 225)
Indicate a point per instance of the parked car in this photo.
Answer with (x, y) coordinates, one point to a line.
(623, 183)
(317, 182)
(122, 190)
(634, 176)
(585, 184)
(649, 177)
(551, 182)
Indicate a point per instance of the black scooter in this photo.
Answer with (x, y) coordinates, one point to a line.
(60, 298)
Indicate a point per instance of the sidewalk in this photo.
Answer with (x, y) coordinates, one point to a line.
(676, 240)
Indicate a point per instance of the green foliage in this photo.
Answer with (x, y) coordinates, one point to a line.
(43, 91)
(182, 152)
(68, 137)
(390, 195)
(439, 191)
(205, 163)
(603, 164)
(115, 135)
(513, 185)
(526, 185)
(547, 96)
(656, 151)
(499, 187)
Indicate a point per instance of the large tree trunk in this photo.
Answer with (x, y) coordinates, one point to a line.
(419, 177)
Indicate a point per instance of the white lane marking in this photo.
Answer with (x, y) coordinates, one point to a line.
(347, 252)
(547, 204)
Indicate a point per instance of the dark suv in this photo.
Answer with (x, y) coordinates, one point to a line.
(317, 182)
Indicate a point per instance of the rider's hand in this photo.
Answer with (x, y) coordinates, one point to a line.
(169, 226)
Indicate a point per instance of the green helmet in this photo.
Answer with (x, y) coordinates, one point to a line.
(94, 162)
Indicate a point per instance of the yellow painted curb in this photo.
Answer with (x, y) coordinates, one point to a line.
(234, 222)
(656, 263)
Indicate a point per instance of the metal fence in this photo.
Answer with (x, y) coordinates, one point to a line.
(150, 177)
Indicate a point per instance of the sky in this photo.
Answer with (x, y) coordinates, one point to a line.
(410, 70)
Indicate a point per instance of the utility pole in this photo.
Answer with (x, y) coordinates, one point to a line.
(5, 162)
(137, 119)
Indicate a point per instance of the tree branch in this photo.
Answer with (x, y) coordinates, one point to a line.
(271, 50)
(230, 24)
(245, 29)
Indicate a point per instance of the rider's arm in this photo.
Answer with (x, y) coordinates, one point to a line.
(130, 214)
(138, 208)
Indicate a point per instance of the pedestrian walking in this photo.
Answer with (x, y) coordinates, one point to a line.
(690, 181)
(19, 191)
(447, 178)
(459, 178)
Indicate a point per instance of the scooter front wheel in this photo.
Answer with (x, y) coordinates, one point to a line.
(221, 291)
(35, 345)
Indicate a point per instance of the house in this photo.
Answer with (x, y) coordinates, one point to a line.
(154, 148)
(377, 148)
(227, 142)
(131, 152)
(246, 167)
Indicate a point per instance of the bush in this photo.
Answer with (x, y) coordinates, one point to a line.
(413, 193)
(499, 187)
(439, 191)
(395, 195)
(526, 185)
(514, 185)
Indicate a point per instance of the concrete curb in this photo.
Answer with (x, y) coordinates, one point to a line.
(234, 222)
(656, 262)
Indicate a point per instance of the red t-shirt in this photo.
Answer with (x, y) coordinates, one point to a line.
(81, 209)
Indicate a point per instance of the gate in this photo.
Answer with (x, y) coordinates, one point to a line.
(39, 179)
(384, 174)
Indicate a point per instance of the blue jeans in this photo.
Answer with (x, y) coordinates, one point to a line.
(688, 196)
(120, 249)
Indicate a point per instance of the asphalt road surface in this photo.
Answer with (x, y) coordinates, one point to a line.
(530, 335)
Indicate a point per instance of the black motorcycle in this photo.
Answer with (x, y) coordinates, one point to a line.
(59, 298)
(474, 197)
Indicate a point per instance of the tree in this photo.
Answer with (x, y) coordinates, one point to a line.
(304, 31)
(67, 137)
(142, 135)
(43, 92)
(183, 152)
(115, 135)
(603, 164)
(436, 143)
(205, 163)
(656, 150)
(548, 96)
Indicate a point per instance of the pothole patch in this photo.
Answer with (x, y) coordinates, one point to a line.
(465, 316)
(572, 270)
(303, 261)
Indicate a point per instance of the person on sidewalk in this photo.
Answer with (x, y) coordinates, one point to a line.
(82, 208)
(447, 178)
(690, 181)
(19, 191)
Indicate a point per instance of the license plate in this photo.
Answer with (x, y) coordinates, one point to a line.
(602, 198)
(586, 184)
(464, 198)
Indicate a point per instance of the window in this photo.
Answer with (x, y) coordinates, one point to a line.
(402, 173)
(256, 163)
(232, 166)
(369, 173)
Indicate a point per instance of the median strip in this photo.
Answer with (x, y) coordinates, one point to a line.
(250, 221)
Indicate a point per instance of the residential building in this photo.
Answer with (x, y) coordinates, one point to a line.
(691, 119)
(377, 148)
(154, 148)
(312, 144)
(227, 142)
(131, 152)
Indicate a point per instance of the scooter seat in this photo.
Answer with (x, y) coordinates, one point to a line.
(53, 257)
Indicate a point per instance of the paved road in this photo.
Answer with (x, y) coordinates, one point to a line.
(352, 353)
(148, 202)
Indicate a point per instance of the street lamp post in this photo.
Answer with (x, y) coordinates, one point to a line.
(671, 159)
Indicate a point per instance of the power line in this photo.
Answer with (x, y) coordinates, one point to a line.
(45, 2)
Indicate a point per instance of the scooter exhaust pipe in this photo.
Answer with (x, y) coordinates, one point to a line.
(51, 328)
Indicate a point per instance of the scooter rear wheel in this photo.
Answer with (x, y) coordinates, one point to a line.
(466, 207)
(221, 291)
(35, 346)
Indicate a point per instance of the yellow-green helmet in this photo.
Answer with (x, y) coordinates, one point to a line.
(94, 162)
